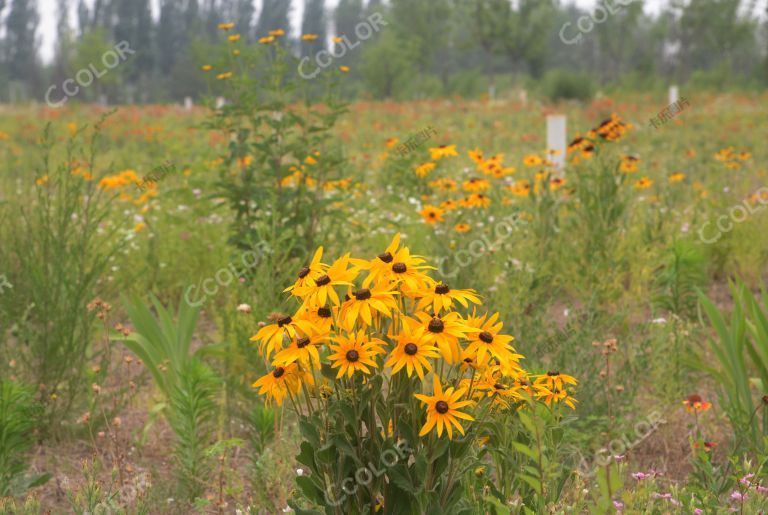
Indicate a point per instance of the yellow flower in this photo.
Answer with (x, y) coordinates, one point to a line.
(462, 227)
(236, 52)
(272, 336)
(475, 184)
(442, 409)
(431, 214)
(363, 304)
(309, 37)
(278, 383)
(643, 183)
(555, 380)
(443, 331)
(338, 39)
(476, 156)
(353, 353)
(302, 349)
(267, 40)
(277, 33)
(488, 342)
(424, 168)
(412, 352)
(532, 160)
(344, 69)
(476, 200)
(317, 291)
(224, 76)
(442, 151)
(629, 164)
(139, 227)
(442, 296)
(696, 403)
(309, 273)
(226, 26)
(234, 37)
(556, 396)
(676, 177)
(206, 67)
(42, 180)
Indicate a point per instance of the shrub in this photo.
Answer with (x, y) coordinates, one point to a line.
(565, 85)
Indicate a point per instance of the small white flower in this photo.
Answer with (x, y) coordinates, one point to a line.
(566, 312)
(245, 308)
(299, 472)
(659, 321)
(685, 228)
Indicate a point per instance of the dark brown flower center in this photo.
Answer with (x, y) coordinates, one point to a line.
(553, 374)
(386, 257)
(278, 372)
(694, 398)
(363, 294)
(303, 272)
(399, 268)
(324, 312)
(436, 326)
(352, 356)
(284, 321)
(302, 342)
(322, 280)
(442, 289)
(411, 349)
(441, 407)
(499, 386)
(486, 337)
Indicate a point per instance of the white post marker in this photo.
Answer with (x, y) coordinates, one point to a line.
(556, 139)
(187, 103)
(674, 95)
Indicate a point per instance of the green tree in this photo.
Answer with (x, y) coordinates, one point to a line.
(314, 23)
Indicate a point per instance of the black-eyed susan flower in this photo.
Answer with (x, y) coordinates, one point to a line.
(309, 37)
(443, 409)
(407, 271)
(437, 153)
(487, 341)
(643, 183)
(461, 227)
(355, 352)
(554, 380)
(532, 160)
(475, 185)
(476, 200)
(423, 169)
(302, 349)
(676, 177)
(279, 383)
(431, 214)
(444, 331)
(445, 184)
(320, 317)
(441, 298)
(555, 396)
(629, 164)
(364, 304)
(285, 328)
(318, 291)
(476, 156)
(556, 183)
(413, 352)
(309, 273)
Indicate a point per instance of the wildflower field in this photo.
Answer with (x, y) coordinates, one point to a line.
(287, 300)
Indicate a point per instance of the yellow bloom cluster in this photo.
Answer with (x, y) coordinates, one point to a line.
(387, 316)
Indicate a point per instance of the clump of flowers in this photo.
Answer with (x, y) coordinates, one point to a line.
(378, 351)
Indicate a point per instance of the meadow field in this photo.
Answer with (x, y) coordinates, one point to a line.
(480, 331)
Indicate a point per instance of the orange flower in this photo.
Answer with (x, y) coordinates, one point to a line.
(696, 403)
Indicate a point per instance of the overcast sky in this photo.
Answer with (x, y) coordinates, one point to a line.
(47, 10)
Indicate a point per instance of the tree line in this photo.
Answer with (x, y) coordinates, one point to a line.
(427, 48)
